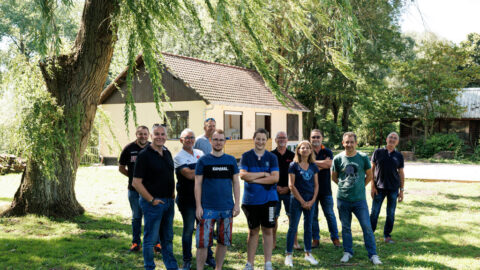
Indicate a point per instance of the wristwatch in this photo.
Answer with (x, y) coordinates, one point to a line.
(401, 189)
(153, 199)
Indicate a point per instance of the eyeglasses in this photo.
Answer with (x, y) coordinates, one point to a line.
(210, 119)
(281, 138)
(316, 137)
(188, 138)
(218, 140)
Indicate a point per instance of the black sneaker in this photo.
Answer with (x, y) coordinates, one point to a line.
(211, 262)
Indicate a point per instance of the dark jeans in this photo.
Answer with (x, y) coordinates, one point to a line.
(360, 209)
(326, 201)
(392, 196)
(188, 216)
(296, 211)
(137, 214)
(158, 220)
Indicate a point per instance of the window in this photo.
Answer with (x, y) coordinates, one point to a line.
(233, 125)
(263, 120)
(292, 127)
(178, 122)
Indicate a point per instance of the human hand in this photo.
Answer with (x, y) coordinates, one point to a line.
(199, 212)
(400, 196)
(236, 210)
(157, 202)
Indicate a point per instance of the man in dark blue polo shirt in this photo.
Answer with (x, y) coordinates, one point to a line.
(259, 170)
(153, 179)
(387, 164)
(323, 160)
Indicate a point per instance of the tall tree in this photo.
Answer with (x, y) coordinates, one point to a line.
(75, 79)
(431, 82)
(471, 46)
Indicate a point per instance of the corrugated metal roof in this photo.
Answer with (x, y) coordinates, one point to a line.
(470, 99)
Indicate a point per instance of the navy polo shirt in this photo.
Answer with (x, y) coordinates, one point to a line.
(127, 158)
(283, 164)
(156, 172)
(324, 183)
(386, 168)
(257, 194)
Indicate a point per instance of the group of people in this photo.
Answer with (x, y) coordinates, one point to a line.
(208, 193)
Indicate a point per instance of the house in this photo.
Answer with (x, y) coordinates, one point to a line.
(467, 126)
(237, 98)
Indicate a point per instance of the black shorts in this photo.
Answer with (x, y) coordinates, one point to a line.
(262, 214)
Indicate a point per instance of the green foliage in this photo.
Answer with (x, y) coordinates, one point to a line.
(439, 142)
(471, 46)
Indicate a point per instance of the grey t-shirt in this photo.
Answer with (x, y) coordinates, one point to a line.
(203, 144)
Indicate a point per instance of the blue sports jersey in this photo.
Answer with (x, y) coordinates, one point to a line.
(217, 184)
(257, 194)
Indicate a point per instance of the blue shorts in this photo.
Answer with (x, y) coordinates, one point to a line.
(224, 221)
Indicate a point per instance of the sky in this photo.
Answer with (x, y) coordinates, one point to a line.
(449, 19)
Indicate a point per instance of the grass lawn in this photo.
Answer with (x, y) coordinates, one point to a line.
(437, 227)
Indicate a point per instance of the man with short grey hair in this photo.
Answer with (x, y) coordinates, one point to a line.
(203, 142)
(388, 181)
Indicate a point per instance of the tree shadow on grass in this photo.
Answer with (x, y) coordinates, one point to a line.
(460, 197)
(449, 207)
(94, 243)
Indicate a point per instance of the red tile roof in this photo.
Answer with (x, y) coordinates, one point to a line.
(219, 83)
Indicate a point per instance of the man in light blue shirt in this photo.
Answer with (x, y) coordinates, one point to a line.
(203, 142)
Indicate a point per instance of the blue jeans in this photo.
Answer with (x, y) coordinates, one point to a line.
(137, 214)
(360, 209)
(295, 212)
(189, 218)
(158, 220)
(392, 196)
(285, 198)
(326, 201)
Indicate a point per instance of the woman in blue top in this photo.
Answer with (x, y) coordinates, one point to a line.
(303, 183)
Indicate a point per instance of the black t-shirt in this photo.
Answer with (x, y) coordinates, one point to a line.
(283, 164)
(324, 183)
(386, 168)
(156, 172)
(127, 158)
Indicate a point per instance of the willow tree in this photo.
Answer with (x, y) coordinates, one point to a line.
(75, 79)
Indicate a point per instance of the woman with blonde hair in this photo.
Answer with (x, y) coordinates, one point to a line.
(303, 183)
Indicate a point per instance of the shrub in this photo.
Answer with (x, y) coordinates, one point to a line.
(439, 142)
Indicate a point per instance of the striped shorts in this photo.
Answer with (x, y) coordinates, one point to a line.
(224, 221)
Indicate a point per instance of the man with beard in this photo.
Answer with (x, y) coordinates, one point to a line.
(352, 171)
(323, 160)
(216, 176)
(153, 179)
(387, 164)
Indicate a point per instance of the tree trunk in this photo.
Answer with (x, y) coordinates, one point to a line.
(346, 115)
(76, 81)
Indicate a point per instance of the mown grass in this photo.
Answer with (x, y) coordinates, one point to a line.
(437, 227)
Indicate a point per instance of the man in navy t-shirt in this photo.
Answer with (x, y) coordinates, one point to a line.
(387, 165)
(259, 170)
(323, 160)
(216, 175)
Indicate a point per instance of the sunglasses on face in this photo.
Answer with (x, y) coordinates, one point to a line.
(210, 119)
(316, 137)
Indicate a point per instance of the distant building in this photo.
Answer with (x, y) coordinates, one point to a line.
(467, 126)
(237, 98)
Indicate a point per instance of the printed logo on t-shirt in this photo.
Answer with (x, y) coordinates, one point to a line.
(351, 175)
(133, 156)
(307, 175)
(218, 171)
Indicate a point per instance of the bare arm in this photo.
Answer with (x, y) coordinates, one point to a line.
(188, 173)
(250, 176)
(374, 190)
(294, 190)
(198, 195)
(335, 177)
(369, 176)
(138, 185)
(236, 195)
(123, 170)
(402, 183)
(268, 179)
(324, 164)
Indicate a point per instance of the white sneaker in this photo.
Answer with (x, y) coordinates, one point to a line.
(346, 257)
(309, 258)
(268, 266)
(289, 260)
(248, 266)
(375, 260)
